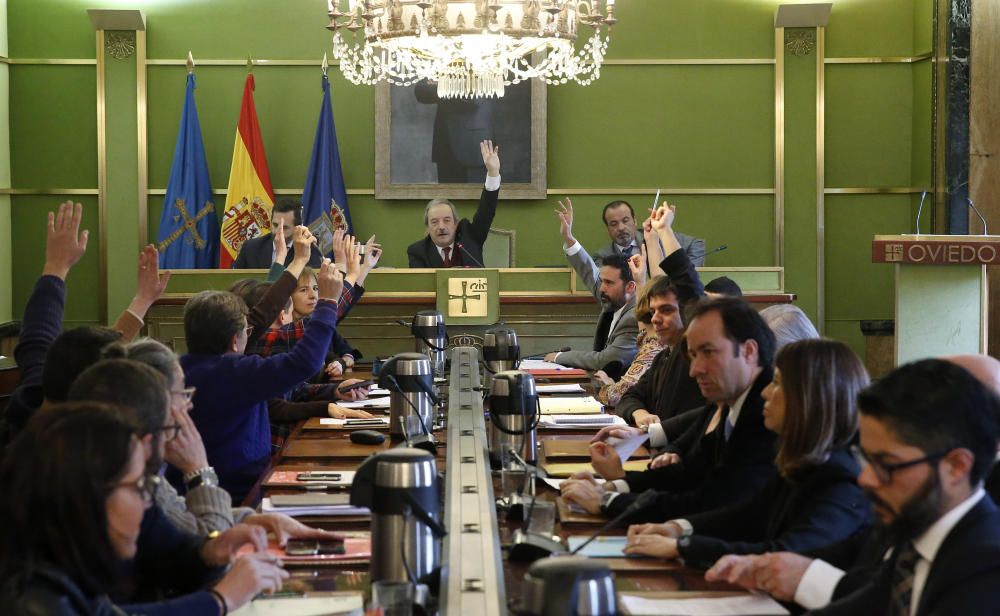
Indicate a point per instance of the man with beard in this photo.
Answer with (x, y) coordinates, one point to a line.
(451, 242)
(626, 238)
(613, 286)
(928, 437)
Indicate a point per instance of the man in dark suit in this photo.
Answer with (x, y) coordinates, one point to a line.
(626, 239)
(727, 453)
(928, 436)
(451, 242)
(259, 252)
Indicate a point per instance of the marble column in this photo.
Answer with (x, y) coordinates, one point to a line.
(959, 34)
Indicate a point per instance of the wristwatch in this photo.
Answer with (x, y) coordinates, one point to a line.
(204, 476)
(606, 499)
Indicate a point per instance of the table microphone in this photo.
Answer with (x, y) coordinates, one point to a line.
(645, 499)
(469, 254)
(711, 252)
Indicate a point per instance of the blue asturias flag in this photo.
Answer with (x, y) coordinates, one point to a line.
(324, 198)
(189, 230)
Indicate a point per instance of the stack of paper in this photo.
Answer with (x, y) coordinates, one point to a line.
(576, 405)
(580, 421)
(733, 605)
(372, 403)
(568, 388)
(332, 421)
(267, 506)
(600, 547)
(539, 364)
(346, 604)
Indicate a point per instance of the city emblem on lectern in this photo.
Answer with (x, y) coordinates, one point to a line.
(467, 297)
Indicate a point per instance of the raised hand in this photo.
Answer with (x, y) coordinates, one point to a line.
(302, 241)
(663, 217)
(339, 248)
(565, 213)
(491, 158)
(65, 244)
(330, 281)
(150, 282)
(353, 259)
(637, 265)
(373, 252)
(280, 247)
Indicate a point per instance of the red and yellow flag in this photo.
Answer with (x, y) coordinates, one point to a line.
(250, 197)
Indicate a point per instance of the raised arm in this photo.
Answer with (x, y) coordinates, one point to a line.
(149, 287)
(487, 209)
(578, 257)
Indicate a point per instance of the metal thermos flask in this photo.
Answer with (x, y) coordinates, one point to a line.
(568, 585)
(409, 378)
(400, 487)
(513, 416)
(500, 352)
(431, 338)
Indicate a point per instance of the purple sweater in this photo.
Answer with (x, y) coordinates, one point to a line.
(230, 405)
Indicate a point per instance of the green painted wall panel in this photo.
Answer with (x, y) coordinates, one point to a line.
(690, 126)
(856, 288)
(870, 28)
(869, 125)
(52, 28)
(6, 256)
(848, 332)
(922, 126)
(53, 126)
(923, 26)
(29, 219)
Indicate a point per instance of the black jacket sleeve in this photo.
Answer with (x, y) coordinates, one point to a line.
(485, 213)
(644, 392)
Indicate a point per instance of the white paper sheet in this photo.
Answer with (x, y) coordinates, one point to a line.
(540, 364)
(303, 606)
(332, 421)
(557, 483)
(740, 605)
(627, 446)
(568, 388)
(378, 391)
(375, 403)
(266, 506)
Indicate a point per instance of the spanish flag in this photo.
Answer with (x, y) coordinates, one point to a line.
(250, 197)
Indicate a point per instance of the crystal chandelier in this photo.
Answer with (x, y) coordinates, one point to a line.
(471, 48)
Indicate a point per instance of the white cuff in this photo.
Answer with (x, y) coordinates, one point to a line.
(815, 589)
(621, 486)
(493, 182)
(555, 360)
(686, 529)
(572, 250)
(657, 437)
(137, 317)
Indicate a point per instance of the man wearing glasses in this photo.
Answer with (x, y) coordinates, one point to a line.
(929, 436)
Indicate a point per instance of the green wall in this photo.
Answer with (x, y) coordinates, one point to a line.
(6, 256)
(638, 127)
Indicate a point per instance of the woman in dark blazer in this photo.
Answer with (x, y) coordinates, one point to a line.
(815, 499)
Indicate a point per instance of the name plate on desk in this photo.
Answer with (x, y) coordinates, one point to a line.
(937, 249)
(468, 296)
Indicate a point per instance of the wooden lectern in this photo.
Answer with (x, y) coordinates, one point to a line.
(941, 292)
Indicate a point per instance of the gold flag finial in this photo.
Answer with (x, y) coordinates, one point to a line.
(250, 64)
(190, 63)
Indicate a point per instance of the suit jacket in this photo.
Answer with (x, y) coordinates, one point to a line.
(694, 247)
(621, 343)
(472, 236)
(713, 472)
(822, 504)
(256, 254)
(667, 389)
(963, 579)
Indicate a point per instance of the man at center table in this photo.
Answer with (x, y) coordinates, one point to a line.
(451, 242)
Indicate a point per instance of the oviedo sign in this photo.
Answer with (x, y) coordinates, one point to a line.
(937, 249)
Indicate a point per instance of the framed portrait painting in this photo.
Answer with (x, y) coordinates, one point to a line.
(427, 147)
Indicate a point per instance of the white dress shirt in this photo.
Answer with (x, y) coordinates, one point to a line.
(658, 439)
(817, 585)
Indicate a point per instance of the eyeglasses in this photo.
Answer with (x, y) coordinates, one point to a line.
(883, 472)
(187, 393)
(248, 330)
(145, 486)
(170, 432)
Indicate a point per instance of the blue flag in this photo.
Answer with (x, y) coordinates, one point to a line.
(189, 230)
(324, 198)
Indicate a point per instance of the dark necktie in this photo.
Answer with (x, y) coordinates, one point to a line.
(627, 251)
(906, 559)
(447, 256)
(603, 329)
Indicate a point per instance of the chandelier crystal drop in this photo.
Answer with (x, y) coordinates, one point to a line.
(471, 48)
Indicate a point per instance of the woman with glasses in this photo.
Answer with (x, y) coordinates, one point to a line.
(814, 500)
(78, 489)
(205, 507)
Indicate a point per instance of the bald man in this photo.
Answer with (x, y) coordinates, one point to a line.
(986, 369)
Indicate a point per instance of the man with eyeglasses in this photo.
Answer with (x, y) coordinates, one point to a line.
(929, 434)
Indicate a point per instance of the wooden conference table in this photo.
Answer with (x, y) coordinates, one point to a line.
(311, 446)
